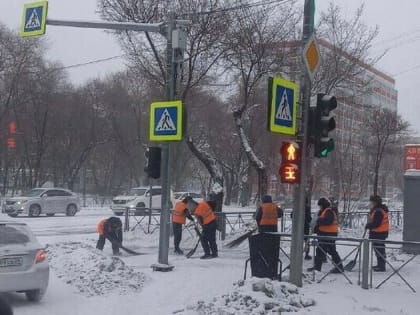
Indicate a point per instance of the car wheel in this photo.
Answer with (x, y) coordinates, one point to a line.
(50, 214)
(34, 211)
(71, 210)
(13, 215)
(35, 295)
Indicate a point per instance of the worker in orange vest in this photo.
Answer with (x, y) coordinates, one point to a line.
(267, 215)
(179, 216)
(378, 226)
(206, 217)
(326, 225)
(110, 229)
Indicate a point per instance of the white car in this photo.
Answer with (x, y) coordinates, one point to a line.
(137, 200)
(23, 262)
(39, 201)
(181, 195)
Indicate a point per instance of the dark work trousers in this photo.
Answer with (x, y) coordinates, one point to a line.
(112, 237)
(208, 238)
(326, 247)
(379, 247)
(267, 228)
(177, 228)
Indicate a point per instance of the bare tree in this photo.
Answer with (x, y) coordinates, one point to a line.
(255, 51)
(385, 128)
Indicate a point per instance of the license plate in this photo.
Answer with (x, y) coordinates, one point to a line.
(11, 262)
(10, 209)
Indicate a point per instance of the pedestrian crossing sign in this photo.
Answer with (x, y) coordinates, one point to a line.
(34, 19)
(282, 112)
(166, 121)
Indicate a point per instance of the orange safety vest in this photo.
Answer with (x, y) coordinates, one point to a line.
(178, 215)
(205, 212)
(331, 228)
(269, 214)
(384, 226)
(101, 227)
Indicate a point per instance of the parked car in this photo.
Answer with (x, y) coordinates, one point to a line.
(181, 195)
(137, 200)
(23, 262)
(47, 201)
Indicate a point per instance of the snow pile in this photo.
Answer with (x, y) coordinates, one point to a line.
(254, 296)
(91, 272)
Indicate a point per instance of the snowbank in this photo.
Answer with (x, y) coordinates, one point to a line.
(91, 272)
(254, 296)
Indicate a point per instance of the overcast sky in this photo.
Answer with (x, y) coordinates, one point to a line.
(398, 21)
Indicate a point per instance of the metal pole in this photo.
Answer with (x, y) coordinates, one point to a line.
(296, 259)
(150, 205)
(166, 161)
(123, 26)
(365, 264)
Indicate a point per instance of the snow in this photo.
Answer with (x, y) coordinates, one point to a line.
(91, 272)
(254, 296)
(84, 281)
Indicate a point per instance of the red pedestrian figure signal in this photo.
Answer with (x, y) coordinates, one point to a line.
(11, 143)
(289, 169)
(12, 128)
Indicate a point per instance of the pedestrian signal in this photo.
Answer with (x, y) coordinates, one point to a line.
(289, 169)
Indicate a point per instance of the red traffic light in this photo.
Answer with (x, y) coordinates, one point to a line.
(11, 143)
(289, 173)
(12, 128)
(289, 169)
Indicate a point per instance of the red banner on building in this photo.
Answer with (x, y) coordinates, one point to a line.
(412, 157)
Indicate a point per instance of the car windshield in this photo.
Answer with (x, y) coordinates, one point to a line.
(178, 195)
(33, 193)
(137, 192)
(13, 234)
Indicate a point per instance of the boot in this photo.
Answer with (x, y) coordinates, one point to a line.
(338, 269)
(379, 268)
(214, 255)
(308, 257)
(179, 251)
(317, 265)
(206, 256)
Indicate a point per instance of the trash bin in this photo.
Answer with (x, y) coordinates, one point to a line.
(264, 256)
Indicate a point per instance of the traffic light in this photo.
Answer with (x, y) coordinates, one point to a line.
(321, 123)
(11, 141)
(289, 169)
(153, 157)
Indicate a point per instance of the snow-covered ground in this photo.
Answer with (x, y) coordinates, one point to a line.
(84, 281)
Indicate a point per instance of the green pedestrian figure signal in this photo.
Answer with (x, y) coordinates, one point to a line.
(321, 123)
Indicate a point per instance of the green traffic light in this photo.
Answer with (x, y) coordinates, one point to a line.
(329, 146)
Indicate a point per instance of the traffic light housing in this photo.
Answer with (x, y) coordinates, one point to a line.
(153, 158)
(321, 123)
(289, 168)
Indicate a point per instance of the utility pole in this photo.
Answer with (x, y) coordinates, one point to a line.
(164, 231)
(296, 251)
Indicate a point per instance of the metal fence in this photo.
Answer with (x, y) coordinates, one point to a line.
(363, 275)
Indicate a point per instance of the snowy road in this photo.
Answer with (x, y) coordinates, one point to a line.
(81, 282)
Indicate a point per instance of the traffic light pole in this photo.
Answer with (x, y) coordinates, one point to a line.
(296, 251)
(164, 230)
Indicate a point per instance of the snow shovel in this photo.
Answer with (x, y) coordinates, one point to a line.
(236, 242)
(130, 251)
(192, 251)
(351, 264)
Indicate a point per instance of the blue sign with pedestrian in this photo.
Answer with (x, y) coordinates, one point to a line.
(283, 107)
(34, 19)
(166, 121)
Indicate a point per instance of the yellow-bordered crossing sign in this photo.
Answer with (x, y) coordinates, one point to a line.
(166, 121)
(34, 19)
(282, 110)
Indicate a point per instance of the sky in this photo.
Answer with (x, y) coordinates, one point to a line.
(398, 23)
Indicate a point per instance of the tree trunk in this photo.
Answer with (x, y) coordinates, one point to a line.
(253, 159)
(216, 174)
